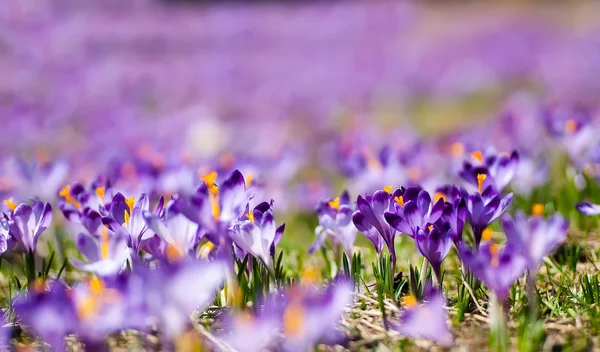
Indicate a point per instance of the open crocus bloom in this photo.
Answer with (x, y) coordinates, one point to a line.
(106, 253)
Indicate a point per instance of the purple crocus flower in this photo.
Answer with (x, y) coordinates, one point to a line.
(426, 320)
(499, 170)
(497, 267)
(369, 219)
(172, 292)
(258, 235)
(106, 253)
(483, 209)
(216, 208)
(28, 223)
(5, 237)
(434, 243)
(588, 208)
(535, 236)
(335, 220)
(50, 315)
(179, 232)
(309, 317)
(413, 209)
(127, 218)
(245, 332)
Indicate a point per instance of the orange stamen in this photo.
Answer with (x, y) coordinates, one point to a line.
(538, 209)
(480, 179)
(478, 155)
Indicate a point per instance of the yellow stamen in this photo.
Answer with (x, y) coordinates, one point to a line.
(40, 285)
(335, 204)
(399, 200)
(248, 178)
(10, 203)
(570, 126)
(293, 319)
(486, 235)
(65, 192)
(439, 195)
(480, 179)
(478, 155)
(310, 275)
(457, 149)
(250, 216)
(126, 217)
(409, 301)
(538, 209)
(494, 249)
(216, 208)
(206, 249)
(104, 242)
(96, 285)
(173, 253)
(130, 201)
(388, 189)
(430, 227)
(209, 179)
(100, 193)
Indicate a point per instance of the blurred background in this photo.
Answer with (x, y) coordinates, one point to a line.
(205, 82)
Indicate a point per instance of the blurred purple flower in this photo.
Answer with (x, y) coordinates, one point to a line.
(499, 170)
(588, 208)
(426, 320)
(535, 236)
(106, 253)
(497, 267)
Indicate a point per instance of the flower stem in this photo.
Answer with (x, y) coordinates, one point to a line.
(498, 333)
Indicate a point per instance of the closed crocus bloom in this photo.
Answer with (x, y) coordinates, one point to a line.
(246, 332)
(434, 243)
(258, 235)
(536, 237)
(588, 208)
(29, 222)
(179, 232)
(335, 220)
(498, 267)
(426, 320)
(369, 219)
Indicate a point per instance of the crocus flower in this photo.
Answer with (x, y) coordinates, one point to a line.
(413, 209)
(483, 209)
(426, 320)
(497, 267)
(173, 292)
(179, 232)
(588, 208)
(499, 170)
(309, 317)
(530, 175)
(4, 233)
(535, 236)
(127, 217)
(258, 235)
(106, 253)
(245, 332)
(369, 220)
(335, 220)
(434, 243)
(50, 315)
(28, 223)
(215, 208)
